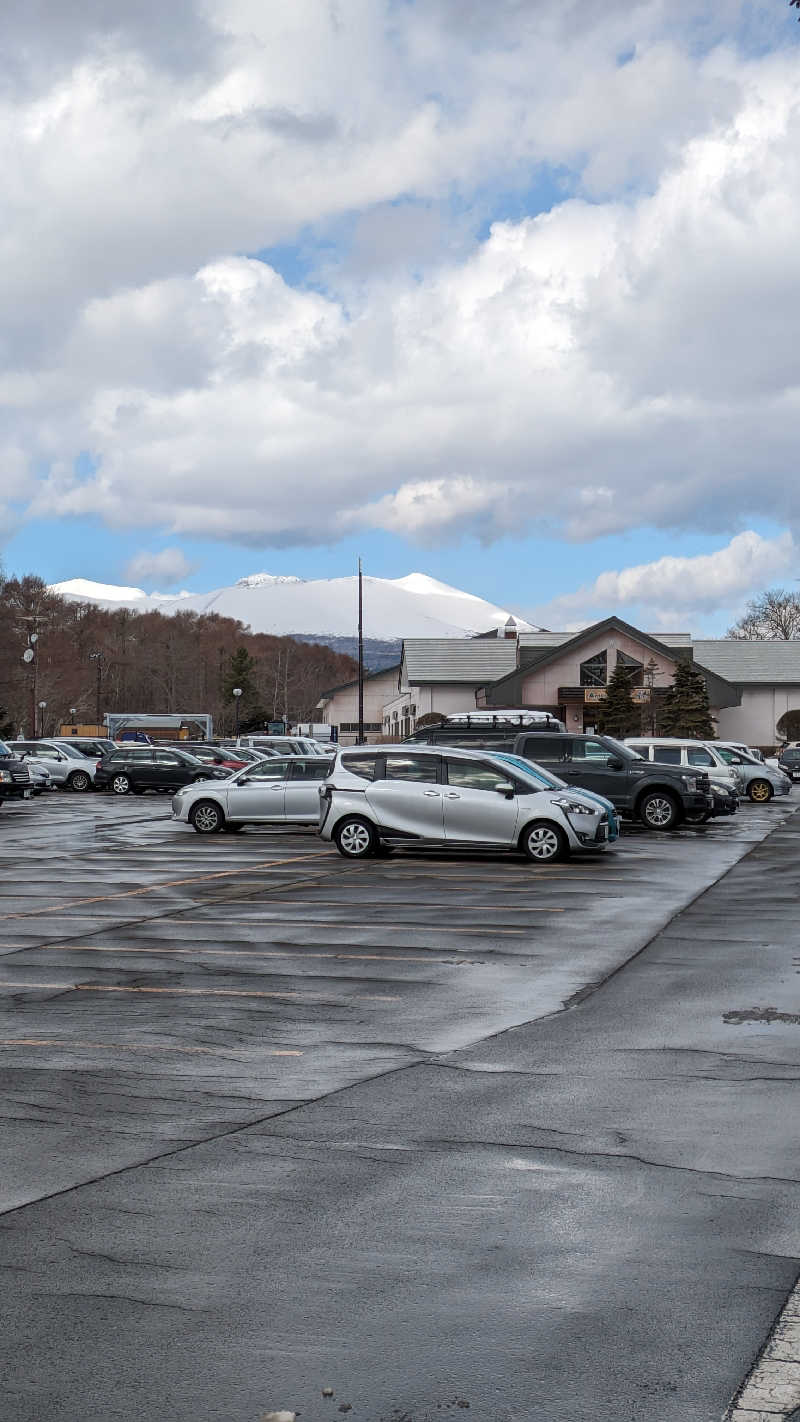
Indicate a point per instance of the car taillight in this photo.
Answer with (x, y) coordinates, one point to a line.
(99, 763)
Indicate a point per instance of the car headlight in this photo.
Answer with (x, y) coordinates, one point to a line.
(574, 807)
(5, 774)
(690, 781)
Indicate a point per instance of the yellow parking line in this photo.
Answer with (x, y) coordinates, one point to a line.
(255, 953)
(165, 884)
(180, 991)
(125, 1046)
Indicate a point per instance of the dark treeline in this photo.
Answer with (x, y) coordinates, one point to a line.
(96, 661)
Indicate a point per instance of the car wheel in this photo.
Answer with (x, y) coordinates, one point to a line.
(79, 781)
(698, 817)
(658, 810)
(207, 817)
(544, 842)
(121, 785)
(759, 791)
(355, 838)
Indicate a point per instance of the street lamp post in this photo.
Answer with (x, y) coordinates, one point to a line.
(650, 674)
(237, 695)
(42, 709)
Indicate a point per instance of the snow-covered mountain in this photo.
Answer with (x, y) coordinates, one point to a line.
(414, 606)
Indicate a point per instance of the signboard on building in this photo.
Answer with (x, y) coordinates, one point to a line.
(593, 694)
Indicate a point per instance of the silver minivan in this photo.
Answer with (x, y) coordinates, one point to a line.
(673, 750)
(378, 797)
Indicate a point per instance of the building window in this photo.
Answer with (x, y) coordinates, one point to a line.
(368, 726)
(594, 671)
(634, 669)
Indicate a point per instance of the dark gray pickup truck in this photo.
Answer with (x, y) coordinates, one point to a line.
(15, 780)
(660, 796)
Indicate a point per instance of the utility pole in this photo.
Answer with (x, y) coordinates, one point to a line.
(360, 740)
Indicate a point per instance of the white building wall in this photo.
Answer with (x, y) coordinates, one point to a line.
(342, 708)
(755, 721)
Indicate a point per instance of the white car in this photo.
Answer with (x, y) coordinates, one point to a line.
(282, 790)
(397, 795)
(69, 770)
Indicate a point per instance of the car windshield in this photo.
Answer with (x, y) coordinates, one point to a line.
(535, 772)
(790, 755)
(5, 749)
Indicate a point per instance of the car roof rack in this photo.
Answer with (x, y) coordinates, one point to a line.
(533, 720)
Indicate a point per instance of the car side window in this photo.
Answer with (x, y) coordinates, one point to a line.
(641, 750)
(307, 770)
(473, 775)
(591, 750)
(548, 749)
(696, 756)
(266, 770)
(424, 768)
(667, 755)
(168, 758)
(364, 766)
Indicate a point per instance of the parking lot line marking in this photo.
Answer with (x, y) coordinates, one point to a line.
(288, 923)
(166, 884)
(300, 952)
(183, 991)
(126, 1046)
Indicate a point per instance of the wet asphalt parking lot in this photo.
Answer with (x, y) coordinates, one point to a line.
(430, 1129)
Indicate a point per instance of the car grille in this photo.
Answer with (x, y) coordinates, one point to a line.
(703, 783)
(20, 775)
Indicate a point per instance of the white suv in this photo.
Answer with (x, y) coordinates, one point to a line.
(377, 796)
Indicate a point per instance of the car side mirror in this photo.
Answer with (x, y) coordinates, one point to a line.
(504, 787)
(614, 763)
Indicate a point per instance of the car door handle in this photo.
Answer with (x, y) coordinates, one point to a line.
(453, 795)
(433, 793)
(275, 788)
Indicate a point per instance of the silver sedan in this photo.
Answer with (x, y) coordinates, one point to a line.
(282, 790)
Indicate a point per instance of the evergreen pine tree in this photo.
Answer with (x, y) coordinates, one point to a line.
(241, 672)
(686, 710)
(619, 716)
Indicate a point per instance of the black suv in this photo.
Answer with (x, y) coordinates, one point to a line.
(134, 769)
(15, 778)
(661, 796)
(789, 761)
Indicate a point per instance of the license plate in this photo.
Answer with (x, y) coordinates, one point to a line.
(796, 775)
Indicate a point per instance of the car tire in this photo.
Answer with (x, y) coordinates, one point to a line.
(79, 781)
(659, 811)
(544, 842)
(759, 791)
(355, 838)
(121, 784)
(206, 817)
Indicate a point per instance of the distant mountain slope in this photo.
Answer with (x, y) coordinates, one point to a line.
(413, 606)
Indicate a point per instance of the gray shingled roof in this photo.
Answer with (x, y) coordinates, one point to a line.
(446, 659)
(750, 661)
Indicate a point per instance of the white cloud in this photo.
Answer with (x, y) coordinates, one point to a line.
(671, 590)
(166, 567)
(616, 362)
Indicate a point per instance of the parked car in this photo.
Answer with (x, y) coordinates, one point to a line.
(41, 779)
(761, 782)
(377, 796)
(68, 768)
(15, 778)
(91, 746)
(210, 754)
(284, 745)
(659, 796)
(280, 790)
(132, 769)
(691, 755)
(789, 761)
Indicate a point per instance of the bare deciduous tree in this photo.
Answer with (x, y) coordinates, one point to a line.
(773, 616)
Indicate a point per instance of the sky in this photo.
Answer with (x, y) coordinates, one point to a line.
(508, 294)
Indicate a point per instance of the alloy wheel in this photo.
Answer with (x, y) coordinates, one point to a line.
(659, 812)
(543, 843)
(760, 791)
(206, 819)
(354, 839)
(121, 785)
(79, 780)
